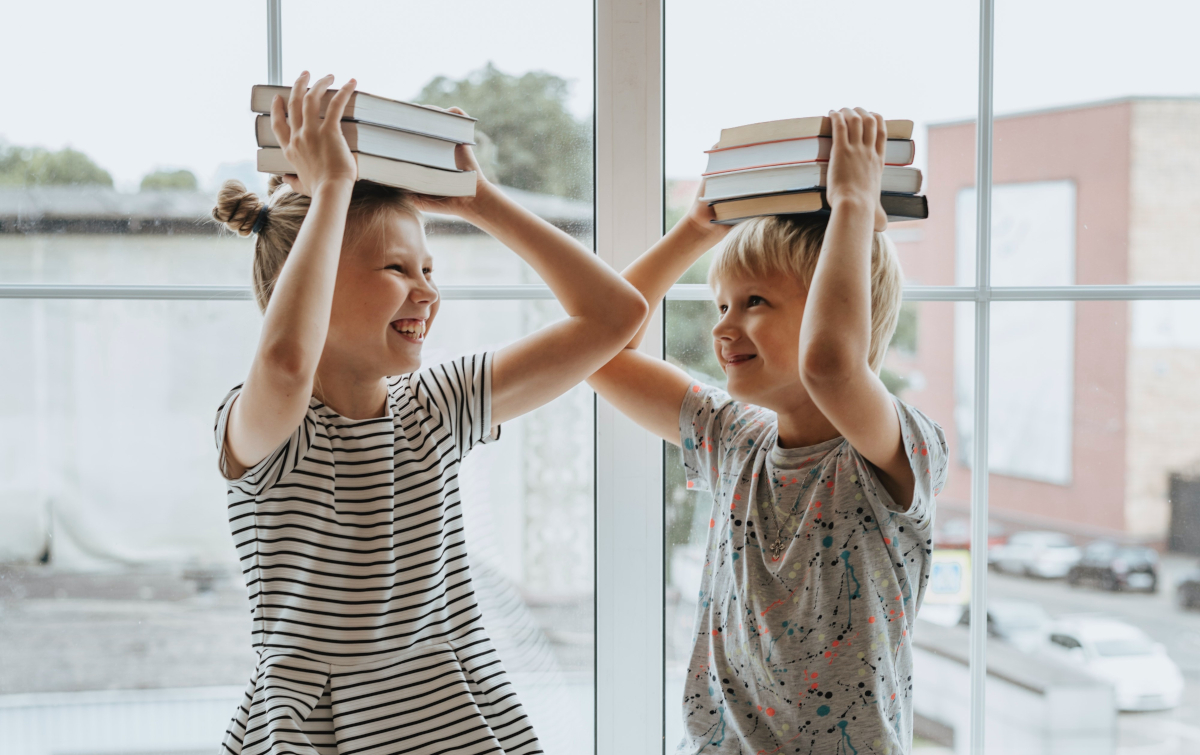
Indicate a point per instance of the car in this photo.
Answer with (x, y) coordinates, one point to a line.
(1142, 674)
(1037, 554)
(1111, 566)
(1020, 623)
(1187, 590)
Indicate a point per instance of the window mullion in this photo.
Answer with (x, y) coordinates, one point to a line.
(979, 469)
(629, 497)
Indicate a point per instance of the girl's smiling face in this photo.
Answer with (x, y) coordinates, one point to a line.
(757, 338)
(384, 299)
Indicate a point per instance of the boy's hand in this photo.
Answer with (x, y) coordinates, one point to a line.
(700, 216)
(464, 158)
(314, 145)
(856, 165)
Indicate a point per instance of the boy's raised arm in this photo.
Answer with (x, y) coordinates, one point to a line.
(835, 334)
(646, 389)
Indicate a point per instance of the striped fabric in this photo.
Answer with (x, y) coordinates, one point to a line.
(350, 536)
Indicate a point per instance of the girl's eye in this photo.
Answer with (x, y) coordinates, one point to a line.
(721, 308)
(754, 300)
(428, 271)
(397, 268)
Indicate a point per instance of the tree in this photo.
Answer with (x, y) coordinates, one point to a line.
(35, 166)
(169, 180)
(536, 143)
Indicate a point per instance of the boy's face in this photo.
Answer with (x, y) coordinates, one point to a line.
(757, 338)
(384, 300)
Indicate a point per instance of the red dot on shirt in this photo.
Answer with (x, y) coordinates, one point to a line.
(712, 522)
(770, 711)
(871, 620)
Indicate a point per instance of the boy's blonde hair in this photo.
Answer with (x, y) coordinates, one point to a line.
(790, 245)
(238, 208)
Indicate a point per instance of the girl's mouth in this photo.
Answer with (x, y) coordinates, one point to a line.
(737, 359)
(410, 329)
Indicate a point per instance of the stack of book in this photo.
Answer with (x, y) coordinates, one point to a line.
(395, 143)
(781, 167)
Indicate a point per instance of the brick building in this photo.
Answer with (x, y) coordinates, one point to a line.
(1095, 405)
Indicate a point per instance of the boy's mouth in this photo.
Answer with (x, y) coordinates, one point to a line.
(736, 359)
(410, 329)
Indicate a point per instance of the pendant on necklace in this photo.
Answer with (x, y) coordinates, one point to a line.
(776, 549)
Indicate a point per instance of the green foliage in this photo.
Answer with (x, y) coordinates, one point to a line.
(905, 337)
(535, 142)
(34, 166)
(169, 180)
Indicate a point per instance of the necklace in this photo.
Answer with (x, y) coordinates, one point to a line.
(777, 547)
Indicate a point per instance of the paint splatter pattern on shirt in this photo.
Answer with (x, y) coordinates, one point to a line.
(803, 646)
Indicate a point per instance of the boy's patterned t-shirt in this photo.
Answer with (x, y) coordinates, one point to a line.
(803, 641)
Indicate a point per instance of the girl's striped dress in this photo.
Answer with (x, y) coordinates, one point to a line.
(350, 536)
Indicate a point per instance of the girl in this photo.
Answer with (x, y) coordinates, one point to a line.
(343, 482)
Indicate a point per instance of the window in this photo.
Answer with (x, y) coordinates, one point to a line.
(127, 318)
(1058, 349)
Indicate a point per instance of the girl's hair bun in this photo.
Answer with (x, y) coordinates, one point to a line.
(237, 207)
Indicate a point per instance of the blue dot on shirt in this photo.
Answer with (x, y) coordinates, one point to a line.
(828, 541)
(822, 711)
(688, 444)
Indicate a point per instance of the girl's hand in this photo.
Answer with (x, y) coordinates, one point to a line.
(856, 165)
(700, 216)
(464, 158)
(314, 145)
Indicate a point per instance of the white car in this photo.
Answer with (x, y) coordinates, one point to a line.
(1138, 668)
(1040, 554)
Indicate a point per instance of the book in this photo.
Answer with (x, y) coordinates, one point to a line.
(370, 108)
(419, 178)
(795, 128)
(812, 201)
(381, 142)
(745, 183)
(803, 150)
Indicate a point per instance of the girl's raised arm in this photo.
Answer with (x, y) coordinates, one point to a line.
(275, 395)
(603, 310)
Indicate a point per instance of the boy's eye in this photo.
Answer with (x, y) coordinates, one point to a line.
(754, 300)
(397, 268)
(721, 308)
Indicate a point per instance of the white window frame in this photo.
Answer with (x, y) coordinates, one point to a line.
(629, 495)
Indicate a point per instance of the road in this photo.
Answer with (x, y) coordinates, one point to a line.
(1175, 732)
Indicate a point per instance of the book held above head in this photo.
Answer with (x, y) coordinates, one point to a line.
(395, 143)
(782, 168)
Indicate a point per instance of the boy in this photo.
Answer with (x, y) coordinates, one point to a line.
(823, 484)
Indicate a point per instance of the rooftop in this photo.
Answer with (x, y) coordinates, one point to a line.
(101, 209)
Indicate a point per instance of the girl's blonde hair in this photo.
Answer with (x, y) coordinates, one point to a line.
(238, 208)
(790, 245)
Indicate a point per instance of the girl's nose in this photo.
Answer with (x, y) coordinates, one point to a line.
(424, 293)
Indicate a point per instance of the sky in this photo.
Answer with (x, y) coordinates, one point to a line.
(145, 85)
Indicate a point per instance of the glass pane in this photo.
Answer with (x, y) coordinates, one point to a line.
(1095, 478)
(534, 102)
(121, 604)
(919, 65)
(919, 369)
(1096, 164)
(113, 183)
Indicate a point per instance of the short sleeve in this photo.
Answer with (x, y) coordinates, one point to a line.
(458, 394)
(925, 444)
(715, 430)
(277, 464)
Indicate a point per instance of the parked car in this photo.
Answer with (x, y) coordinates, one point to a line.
(1187, 590)
(1111, 566)
(1038, 554)
(1142, 674)
(1020, 623)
